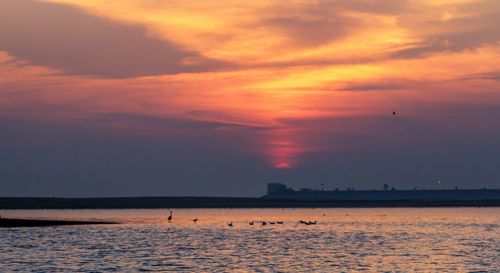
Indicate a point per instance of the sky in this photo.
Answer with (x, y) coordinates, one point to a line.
(219, 98)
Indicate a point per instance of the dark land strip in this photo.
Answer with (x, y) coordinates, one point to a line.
(13, 222)
(224, 202)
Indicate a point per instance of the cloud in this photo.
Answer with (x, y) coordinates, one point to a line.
(136, 120)
(310, 32)
(229, 119)
(370, 87)
(320, 22)
(491, 76)
(75, 42)
(466, 32)
(374, 86)
(383, 7)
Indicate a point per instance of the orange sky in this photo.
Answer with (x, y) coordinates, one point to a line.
(281, 76)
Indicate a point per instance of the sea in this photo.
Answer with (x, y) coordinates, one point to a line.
(236, 240)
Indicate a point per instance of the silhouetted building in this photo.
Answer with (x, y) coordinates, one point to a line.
(277, 187)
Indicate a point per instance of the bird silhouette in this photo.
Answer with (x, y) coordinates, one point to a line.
(230, 224)
(195, 220)
(169, 218)
(251, 223)
(264, 223)
(279, 223)
(394, 113)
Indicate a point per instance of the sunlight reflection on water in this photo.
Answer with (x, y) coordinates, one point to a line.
(344, 240)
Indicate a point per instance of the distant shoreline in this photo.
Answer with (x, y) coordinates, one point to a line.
(15, 222)
(223, 202)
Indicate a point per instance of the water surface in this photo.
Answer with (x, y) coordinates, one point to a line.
(343, 240)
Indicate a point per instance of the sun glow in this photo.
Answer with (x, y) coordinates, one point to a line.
(283, 165)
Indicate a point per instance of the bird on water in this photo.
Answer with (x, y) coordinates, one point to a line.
(169, 218)
(195, 220)
(230, 224)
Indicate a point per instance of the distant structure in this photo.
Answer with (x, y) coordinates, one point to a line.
(277, 188)
(281, 191)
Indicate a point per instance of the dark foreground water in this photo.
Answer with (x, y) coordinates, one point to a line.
(343, 240)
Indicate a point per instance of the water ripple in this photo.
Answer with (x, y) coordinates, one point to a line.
(383, 240)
